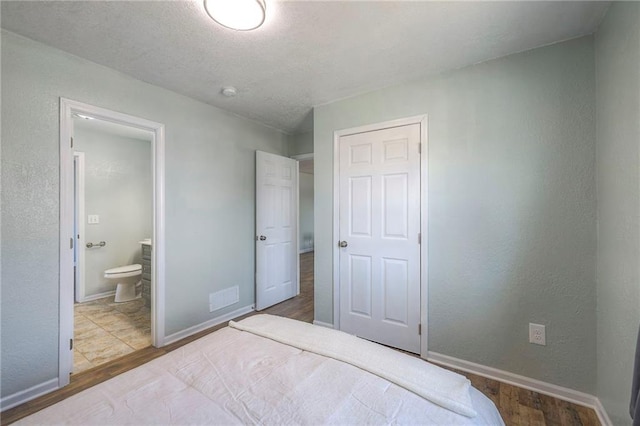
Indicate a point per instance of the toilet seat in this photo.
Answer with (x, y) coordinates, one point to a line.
(124, 271)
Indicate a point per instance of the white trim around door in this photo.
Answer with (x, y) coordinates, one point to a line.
(67, 109)
(424, 246)
(78, 158)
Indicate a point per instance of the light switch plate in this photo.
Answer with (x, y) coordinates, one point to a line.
(93, 219)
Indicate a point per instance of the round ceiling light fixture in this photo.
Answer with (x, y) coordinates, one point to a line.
(241, 15)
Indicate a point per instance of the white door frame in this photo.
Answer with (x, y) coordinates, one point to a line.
(79, 215)
(67, 109)
(424, 246)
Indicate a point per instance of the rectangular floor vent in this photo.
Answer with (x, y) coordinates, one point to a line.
(223, 298)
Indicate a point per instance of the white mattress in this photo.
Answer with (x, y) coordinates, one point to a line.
(235, 377)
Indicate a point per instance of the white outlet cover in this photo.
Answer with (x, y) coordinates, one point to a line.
(93, 219)
(537, 334)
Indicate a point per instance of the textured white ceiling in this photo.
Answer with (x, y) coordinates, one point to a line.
(308, 52)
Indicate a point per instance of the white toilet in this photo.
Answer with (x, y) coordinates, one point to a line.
(128, 277)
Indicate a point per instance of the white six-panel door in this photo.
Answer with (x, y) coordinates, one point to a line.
(276, 229)
(379, 207)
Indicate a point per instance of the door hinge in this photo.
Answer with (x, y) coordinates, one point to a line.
(420, 148)
(71, 243)
(70, 344)
(419, 329)
(71, 142)
(419, 238)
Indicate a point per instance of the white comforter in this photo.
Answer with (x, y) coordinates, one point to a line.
(235, 377)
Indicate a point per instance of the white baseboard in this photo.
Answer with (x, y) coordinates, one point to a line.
(539, 386)
(207, 324)
(33, 392)
(98, 296)
(322, 324)
(602, 414)
(307, 250)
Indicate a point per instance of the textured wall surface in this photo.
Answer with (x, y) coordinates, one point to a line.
(210, 187)
(118, 188)
(512, 226)
(306, 211)
(617, 50)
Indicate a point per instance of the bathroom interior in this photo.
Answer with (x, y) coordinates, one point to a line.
(113, 220)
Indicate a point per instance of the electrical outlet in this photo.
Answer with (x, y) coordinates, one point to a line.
(93, 219)
(537, 334)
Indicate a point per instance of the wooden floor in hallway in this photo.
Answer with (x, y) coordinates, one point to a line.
(517, 406)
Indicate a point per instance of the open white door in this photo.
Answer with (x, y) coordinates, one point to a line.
(277, 266)
(379, 199)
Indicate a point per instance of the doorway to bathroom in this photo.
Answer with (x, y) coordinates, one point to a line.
(113, 201)
(111, 232)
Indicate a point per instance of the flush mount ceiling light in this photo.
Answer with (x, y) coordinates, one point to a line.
(242, 15)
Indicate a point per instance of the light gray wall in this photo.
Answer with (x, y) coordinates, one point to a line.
(301, 143)
(512, 230)
(210, 187)
(306, 211)
(118, 188)
(617, 53)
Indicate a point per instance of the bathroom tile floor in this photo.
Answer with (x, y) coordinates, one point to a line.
(105, 330)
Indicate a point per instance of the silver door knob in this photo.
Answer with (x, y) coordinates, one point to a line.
(262, 238)
(343, 244)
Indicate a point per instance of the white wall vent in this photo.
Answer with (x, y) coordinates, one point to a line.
(223, 298)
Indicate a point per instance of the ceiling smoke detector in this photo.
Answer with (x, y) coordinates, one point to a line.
(229, 91)
(241, 15)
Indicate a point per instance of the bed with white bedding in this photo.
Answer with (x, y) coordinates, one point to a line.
(272, 370)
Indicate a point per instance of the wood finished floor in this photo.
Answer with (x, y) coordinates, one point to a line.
(516, 405)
